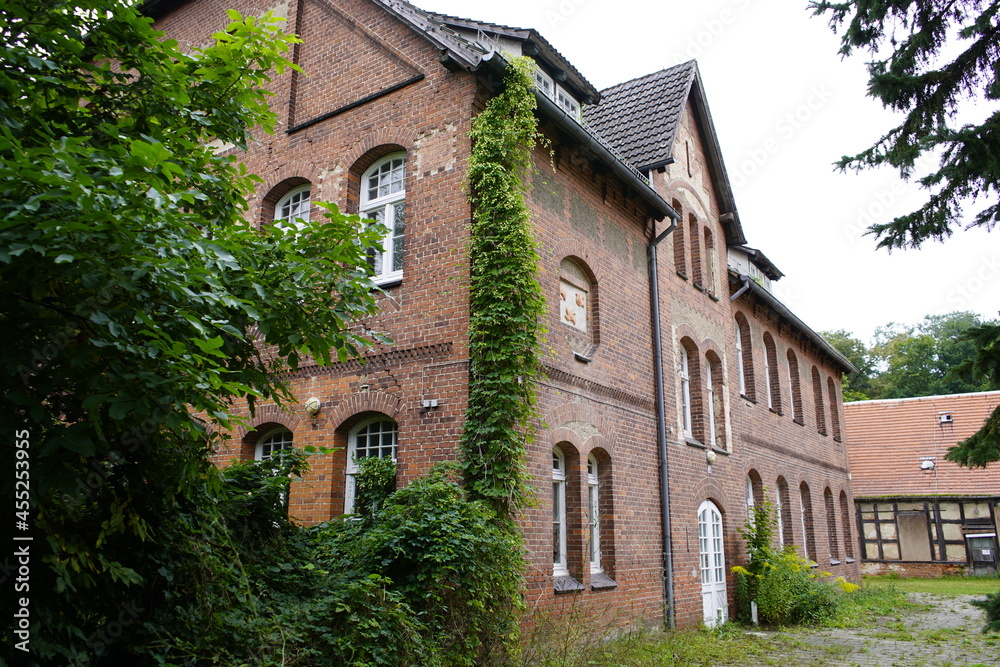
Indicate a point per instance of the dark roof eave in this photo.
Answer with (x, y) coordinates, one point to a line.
(783, 310)
(658, 206)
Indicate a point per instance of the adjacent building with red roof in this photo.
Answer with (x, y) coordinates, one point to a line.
(917, 512)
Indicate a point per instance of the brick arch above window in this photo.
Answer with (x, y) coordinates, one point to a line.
(276, 193)
(269, 414)
(364, 402)
(585, 421)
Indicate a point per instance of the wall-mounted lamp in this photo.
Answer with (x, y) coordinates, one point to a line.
(312, 406)
(710, 456)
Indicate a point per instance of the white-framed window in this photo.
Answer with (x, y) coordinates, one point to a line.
(383, 199)
(739, 359)
(293, 207)
(272, 442)
(686, 391)
(374, 437)
(779, 516)
(710, 396)
(767, 375)
(548, 87)
(559, 564)
(594, 514)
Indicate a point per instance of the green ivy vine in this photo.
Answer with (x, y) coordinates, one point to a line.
(505, 323)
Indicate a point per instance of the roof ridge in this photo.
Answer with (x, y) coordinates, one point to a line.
(923, 398)
(693, 64)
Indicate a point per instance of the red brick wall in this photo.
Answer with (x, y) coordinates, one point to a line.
(605, 406)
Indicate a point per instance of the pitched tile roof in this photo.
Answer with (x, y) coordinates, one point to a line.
(887, 441)
(639, 118)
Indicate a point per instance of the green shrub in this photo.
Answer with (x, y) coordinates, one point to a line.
(991, 605)
(782, 583)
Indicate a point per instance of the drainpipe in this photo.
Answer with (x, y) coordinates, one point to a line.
(661, 422)
(746, 285)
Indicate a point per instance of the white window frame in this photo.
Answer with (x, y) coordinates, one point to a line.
(686, 392)
(767, 376)
(779, 516)
(710, 396)
(563, 99)
(560, 567)
(387, 206)
(791, 390)
(594, 514)
(739, 359)
(294, 207)
(352, 448)
(274, 440)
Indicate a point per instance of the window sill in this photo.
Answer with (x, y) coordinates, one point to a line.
(748, 399)
(563, 583)
(850, 560)
(682, 275)
(389, 282)
(720, 450)
(712, 295)
(837, 438)
(799, 422)
(834, 561)
(777, 412)
(691, 442)
(600, 581)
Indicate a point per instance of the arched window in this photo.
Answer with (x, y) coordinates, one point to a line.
(754, 493)
(834, 397)
(808, 529)
(744, 357)
(594, 514)
(771, 373)
(714, 403)
(680, 258)
(711, 279)
(845, 519)
(271, 443)
(293, 207)
(695, 239)
(795, 383)
(560, 566)
(383, 195)
(578, 308)
(783, 514)
(686, 408)
(371, 438)
(831, 526)
(818, 401)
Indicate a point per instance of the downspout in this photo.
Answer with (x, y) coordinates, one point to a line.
(661, 422)
(746, 285)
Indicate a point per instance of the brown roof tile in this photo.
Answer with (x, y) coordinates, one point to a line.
(887, 441)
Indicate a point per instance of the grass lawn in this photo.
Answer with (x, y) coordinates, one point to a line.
(941, 586)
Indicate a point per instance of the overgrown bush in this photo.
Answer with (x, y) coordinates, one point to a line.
(991, 605)
(782, 583)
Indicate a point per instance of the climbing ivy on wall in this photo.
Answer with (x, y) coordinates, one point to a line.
(505, 325)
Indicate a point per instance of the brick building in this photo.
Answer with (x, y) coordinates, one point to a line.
(678, 389)
(918, 514)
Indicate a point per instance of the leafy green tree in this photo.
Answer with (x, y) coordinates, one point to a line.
(856, 386)
(913, 71)
(921, 360)
(136, 301)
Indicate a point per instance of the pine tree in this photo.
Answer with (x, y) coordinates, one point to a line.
(913, 71)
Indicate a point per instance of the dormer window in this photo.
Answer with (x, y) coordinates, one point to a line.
(547, 85)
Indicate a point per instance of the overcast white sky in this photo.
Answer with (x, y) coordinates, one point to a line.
(785, 108)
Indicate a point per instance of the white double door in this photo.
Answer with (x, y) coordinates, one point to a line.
(713, 564)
